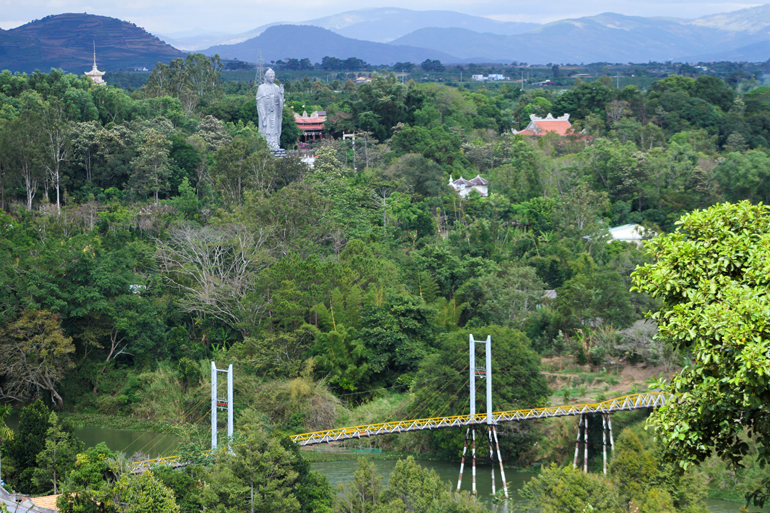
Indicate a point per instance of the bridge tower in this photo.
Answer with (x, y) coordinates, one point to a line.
(484, 372)
(218, 403)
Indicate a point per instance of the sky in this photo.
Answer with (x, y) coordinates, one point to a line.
(169, 17)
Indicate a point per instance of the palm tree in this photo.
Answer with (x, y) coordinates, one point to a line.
(6, 433)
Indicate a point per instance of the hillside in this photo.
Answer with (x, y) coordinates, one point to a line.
(66, 41)
(604, 38)
(754, 20)
(315, 43)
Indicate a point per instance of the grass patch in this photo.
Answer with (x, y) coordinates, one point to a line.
(120, 422)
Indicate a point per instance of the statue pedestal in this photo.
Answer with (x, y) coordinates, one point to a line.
(279, 153)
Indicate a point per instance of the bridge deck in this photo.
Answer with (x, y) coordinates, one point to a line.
(629, 402)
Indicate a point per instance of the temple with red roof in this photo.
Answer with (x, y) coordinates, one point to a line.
(312, 126)
(540, 126)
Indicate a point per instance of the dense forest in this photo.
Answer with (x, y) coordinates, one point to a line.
(144, 235)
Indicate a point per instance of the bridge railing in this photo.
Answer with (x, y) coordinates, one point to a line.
(629, 402)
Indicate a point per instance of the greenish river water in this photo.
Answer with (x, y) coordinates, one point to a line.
(157, 444)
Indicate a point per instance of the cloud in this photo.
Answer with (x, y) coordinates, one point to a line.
(233, 16)
(5, 25)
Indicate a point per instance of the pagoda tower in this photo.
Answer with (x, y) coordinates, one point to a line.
(95, 74)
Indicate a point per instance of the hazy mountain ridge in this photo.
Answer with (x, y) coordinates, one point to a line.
(66, 41)
(752, 20)
(607, 37)
(315, 43)
(379, 25)
(386, 24)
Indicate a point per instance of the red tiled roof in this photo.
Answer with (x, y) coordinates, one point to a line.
(48, 502)
(560, 127)
(310, 127)
(308, 121)
(541, 126)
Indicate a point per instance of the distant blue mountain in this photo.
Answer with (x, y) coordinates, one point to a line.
(385, 24)
(604, 38)
(315, 43)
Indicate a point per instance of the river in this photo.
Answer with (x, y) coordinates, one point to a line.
(337, 472)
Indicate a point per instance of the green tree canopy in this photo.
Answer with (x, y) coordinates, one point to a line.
(712, 278)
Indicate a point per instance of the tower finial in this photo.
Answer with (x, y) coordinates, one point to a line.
(94, 54)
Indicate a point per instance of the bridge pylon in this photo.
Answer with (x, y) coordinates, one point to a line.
(484, 372)
(218, 403)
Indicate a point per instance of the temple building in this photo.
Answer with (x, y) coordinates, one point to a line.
(95, 75)
(464, 187)
(312, 126)
(541, 126)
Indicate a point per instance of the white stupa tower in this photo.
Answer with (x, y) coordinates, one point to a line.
(95, 74)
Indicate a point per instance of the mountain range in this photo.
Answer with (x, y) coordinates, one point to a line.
(315, 43)
(608, 37)
(380, 25)
(389, 35)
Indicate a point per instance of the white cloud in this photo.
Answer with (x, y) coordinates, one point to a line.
(233, 16)
(5, 25)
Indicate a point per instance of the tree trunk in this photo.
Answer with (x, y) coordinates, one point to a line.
(58, 197)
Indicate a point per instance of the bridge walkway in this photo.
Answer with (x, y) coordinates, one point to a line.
(628, 402)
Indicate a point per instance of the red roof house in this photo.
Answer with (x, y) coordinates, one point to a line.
(312, 125)
(541, 126)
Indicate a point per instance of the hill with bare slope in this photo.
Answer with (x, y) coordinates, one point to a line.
(66, 41)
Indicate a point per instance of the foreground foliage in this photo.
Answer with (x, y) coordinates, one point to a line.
(712, 277)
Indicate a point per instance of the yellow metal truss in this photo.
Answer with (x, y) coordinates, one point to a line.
(628, 402)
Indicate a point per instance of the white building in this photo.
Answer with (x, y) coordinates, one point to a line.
(464, 187)
(634, 233)
(95, 75)
(478, 78)
(495, 78)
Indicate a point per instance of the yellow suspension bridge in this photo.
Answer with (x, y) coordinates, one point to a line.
(628, 402)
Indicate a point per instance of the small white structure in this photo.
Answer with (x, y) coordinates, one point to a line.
(491, 78)
(95, 75)
(309, 161)
(464, 187)
(634, 233)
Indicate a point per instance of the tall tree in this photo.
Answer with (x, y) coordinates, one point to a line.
(711, 276)
(218, 269)
(34, 356)
(57, 457)
(56, 134)
(6, 433)
(151, 166)
(25, 143)
(28, 443)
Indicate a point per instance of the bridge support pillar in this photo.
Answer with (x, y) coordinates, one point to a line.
(221, 404)
(577, 442)
(462, 462)
(585, 446)
(473, 453)
(500, 460)
(486, 373)
(604, 441)
(213, 406)
(491, 457)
